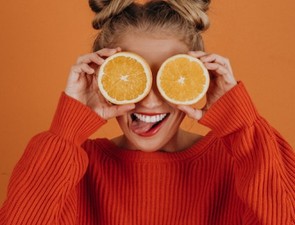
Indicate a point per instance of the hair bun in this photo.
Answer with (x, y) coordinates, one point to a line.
(204, 4)
(194, 11)
(105, 9)
(97, 6)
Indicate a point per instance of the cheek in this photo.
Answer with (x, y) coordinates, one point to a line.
(178, 117)
(122, 121)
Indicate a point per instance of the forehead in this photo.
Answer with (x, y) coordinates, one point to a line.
(155, 50)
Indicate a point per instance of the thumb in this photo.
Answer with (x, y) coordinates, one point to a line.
(122, 109)
(117, 110)
(191, 112)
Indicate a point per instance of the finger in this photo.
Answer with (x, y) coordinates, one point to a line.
(219, 70)
(215, 58)
(106, 52)
(195, 114)
(197, 54)
(90, 58)
(83, 68)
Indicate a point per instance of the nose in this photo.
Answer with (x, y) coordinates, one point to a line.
(152, 100)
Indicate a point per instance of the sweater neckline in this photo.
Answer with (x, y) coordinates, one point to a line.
(195, 151)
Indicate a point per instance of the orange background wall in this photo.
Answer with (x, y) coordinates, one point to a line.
(40, 40)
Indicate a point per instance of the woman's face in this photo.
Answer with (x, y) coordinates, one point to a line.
(139, 132)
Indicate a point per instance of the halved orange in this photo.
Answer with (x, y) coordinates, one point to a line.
(183, 79)
(124, 78)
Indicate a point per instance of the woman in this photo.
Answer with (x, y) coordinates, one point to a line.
(242, 172)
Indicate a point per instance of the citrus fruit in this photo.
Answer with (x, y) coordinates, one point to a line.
(183, 79)
(124, 78)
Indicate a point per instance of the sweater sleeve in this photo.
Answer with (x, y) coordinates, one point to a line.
(264, 163)
(42, 188)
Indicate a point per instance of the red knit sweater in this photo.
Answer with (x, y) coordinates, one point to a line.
(242, 172)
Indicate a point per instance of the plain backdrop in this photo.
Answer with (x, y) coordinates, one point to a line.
(40, 41)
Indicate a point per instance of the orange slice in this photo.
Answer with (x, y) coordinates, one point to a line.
(183, 80)
(124, 78)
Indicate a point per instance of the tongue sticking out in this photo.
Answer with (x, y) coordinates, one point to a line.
(140, 127)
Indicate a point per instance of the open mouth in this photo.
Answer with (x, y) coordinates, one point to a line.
(147, 124)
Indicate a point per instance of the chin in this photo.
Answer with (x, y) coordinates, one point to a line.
(158, 134)
(152, 144)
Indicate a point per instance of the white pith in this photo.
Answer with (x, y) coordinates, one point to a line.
(150, 119)
(181, 80)
(124, 77)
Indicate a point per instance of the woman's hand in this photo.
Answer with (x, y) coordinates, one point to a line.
(221, 81)
(82, 84)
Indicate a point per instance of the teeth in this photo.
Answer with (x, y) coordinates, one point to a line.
(150, 119)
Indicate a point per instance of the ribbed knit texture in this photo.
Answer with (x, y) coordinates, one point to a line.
(241, 173)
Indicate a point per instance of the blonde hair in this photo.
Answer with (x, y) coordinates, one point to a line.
(182, 19)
